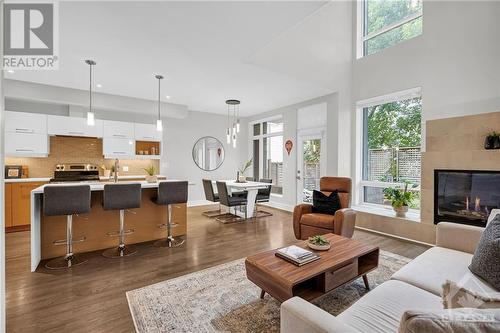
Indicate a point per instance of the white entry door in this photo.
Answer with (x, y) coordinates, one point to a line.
(311, 163)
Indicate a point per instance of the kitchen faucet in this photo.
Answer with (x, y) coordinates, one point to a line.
(117, 166)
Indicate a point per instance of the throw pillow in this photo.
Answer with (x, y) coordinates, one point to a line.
(446, 321)
(325, 204)
(486, 260)
(455, 296)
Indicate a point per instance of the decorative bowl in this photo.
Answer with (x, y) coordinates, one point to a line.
(319, 247)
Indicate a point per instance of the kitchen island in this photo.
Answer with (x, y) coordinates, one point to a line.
(98, 223)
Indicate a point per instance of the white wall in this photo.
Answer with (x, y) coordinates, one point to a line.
(456, 61)
(334, 160)
(180, 135)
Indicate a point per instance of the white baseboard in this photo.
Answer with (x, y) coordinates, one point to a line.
(279, 205)
(193, 203)
(394, 236)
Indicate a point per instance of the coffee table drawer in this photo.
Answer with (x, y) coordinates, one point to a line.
(339, 276)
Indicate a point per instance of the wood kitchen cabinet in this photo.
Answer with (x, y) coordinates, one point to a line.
(18, 205)
(8, 205)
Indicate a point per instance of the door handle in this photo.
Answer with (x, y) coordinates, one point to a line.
(298, 177)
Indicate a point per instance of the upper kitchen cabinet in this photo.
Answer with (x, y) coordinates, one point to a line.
(26, 134)
(26, 144)
(118, 148)
(72, 126)
(22, 122)
(147, 132)
(118, 129)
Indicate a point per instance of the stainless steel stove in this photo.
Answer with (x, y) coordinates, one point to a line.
(75, 172)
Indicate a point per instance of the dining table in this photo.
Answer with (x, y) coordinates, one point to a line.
(251, 187)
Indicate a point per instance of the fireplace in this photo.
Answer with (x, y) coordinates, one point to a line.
(465, 196)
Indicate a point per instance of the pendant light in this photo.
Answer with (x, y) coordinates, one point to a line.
(233, 127)
(90, 113)
(159, 124)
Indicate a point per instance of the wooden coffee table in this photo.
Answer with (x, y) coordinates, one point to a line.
(345, 261)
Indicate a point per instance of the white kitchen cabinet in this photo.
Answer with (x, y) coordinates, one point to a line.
(73, 126)
(147, 132)
(23, 122)
(26, 144)
(118, 147)
(118, 129)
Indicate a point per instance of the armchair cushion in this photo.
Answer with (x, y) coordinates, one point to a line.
(325, 204)
(318, 220)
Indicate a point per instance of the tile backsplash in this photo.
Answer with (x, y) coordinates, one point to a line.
(76, 150)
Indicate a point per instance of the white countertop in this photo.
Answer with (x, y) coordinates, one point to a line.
(42, 179)
(98, 186)
(26, 180)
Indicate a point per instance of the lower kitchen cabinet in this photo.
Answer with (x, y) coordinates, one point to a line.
(18, 205)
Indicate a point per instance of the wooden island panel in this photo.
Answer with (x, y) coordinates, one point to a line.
(99, 222)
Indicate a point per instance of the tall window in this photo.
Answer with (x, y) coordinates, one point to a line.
(391, 149)
(389, 22)
(267, 145)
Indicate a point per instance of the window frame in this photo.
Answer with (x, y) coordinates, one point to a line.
(260, 137)
(361, 146)
(363, 24)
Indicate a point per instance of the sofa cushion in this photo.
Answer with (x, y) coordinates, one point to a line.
(318, 220)
(382, 308)
(486, 260)
(431, 269)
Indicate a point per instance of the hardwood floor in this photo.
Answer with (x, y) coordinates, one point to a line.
(91, 297)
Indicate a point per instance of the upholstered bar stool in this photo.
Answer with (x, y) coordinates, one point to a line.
(170, 193)
(69, 201)
(121, 197)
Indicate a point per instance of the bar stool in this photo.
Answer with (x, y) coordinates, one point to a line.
(169, 193)
(69, 201)
(121, 197)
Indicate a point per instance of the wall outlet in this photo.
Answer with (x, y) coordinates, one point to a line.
(125, 168)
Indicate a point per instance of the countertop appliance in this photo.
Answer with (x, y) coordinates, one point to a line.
(75, 172)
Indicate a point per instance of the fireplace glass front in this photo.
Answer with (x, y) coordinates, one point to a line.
(465, 196)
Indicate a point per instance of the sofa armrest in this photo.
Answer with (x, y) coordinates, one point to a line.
(298, 211)
(458, 237)
(298, 315)
(345, 219)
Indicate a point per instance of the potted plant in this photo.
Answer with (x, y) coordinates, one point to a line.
(319, 243)
(151, 174)
(400, 199)
(492, 141)
(241, 173)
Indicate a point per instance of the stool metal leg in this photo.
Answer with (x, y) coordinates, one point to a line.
(69, 260)
(170, 241)
(121, 250)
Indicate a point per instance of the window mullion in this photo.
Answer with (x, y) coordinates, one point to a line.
(390, 26)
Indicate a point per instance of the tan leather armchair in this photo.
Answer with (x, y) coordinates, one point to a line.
(307, 224)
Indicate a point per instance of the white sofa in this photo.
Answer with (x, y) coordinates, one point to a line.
(417, 286)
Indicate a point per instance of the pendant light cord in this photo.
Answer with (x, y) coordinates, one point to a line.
(90, 89)
(159, 92)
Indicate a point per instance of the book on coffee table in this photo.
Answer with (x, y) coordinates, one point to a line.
(297, 255)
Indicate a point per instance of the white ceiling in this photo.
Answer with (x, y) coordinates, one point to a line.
(268, 54)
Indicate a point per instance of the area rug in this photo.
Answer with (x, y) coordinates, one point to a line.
(221, 299)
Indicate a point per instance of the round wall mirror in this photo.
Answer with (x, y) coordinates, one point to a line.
(208, 153)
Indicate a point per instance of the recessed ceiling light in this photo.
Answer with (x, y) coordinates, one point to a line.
(168, 97)
(10, 71)
(98, 85)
